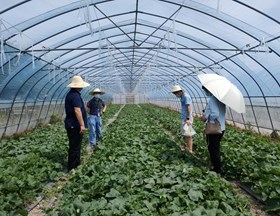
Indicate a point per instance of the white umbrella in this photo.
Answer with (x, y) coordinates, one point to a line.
(224, 91)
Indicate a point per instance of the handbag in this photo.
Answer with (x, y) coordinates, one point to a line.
(213, 128)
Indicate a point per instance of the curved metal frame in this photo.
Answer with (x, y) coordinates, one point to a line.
(135, 56)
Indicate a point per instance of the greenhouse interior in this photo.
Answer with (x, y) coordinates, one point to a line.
(136, 52)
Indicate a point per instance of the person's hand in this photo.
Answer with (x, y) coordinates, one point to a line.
(203, 118)
(83, 129)
(188, 122)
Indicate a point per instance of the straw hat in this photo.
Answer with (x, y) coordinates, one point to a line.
(96, 91)
(176, 88)
(77, 82)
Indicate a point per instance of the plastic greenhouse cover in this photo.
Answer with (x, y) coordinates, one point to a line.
(166, 33)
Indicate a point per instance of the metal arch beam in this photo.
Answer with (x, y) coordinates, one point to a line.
(100, 69)
(180, 7)
(182, 75)
(103, 74)
(259, 62)
(49, 15)
(240, 67)
(258, 11)
(85, 53)
(118, 26)
(120, 59)
(81, 54)
(14, 6)
(18, 90)
(212, 35)
(213, 16)
(134, 38)
(88, 52)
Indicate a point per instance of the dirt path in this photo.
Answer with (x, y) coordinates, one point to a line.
(256, 207)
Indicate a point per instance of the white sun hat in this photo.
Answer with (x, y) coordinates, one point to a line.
(96, 91)
(176, 88)
(77, 82)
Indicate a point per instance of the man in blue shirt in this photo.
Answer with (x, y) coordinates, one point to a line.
(186, 115)
(75, 120)
(95, 108)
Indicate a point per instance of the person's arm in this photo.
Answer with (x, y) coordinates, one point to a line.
(104, 108)
(87, 108)
(202, 117)
(188, 120)
(214, 109)
(79, 116)
(188, 110)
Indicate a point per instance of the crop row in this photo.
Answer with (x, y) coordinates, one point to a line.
(247, 157)
(138, 169)
(31, 161)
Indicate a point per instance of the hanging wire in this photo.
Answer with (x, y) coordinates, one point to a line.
(54, 73)
(9, 70)
(109, 54)
(87, 16)
(99, 33)
(33, 59)
(218, 5)
(2, 50)
(175, 40)
(20, 48)
(99, 42)
(79, 15)
(168, 44)
(18, 44)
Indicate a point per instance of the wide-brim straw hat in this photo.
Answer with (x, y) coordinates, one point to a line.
(96, 91)
(176, 88)
(77, 82)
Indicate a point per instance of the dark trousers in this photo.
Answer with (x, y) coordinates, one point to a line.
(213, 142)
(74, 151)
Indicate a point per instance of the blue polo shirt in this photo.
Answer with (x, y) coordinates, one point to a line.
(74, 99)
(185, 99)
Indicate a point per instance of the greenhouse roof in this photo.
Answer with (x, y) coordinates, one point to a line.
(137, 46)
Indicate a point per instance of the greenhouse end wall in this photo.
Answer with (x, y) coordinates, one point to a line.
(129, 99)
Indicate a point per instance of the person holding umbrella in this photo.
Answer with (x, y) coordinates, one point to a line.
(222, 93)
(186, 115)
(215, 110)
(95, 108)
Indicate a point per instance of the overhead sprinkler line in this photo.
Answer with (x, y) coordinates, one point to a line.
(45, 49)
(197, 68)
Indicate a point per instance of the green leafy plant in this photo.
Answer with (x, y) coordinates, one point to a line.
(138, 169)
(29, 161)
(55, 118)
